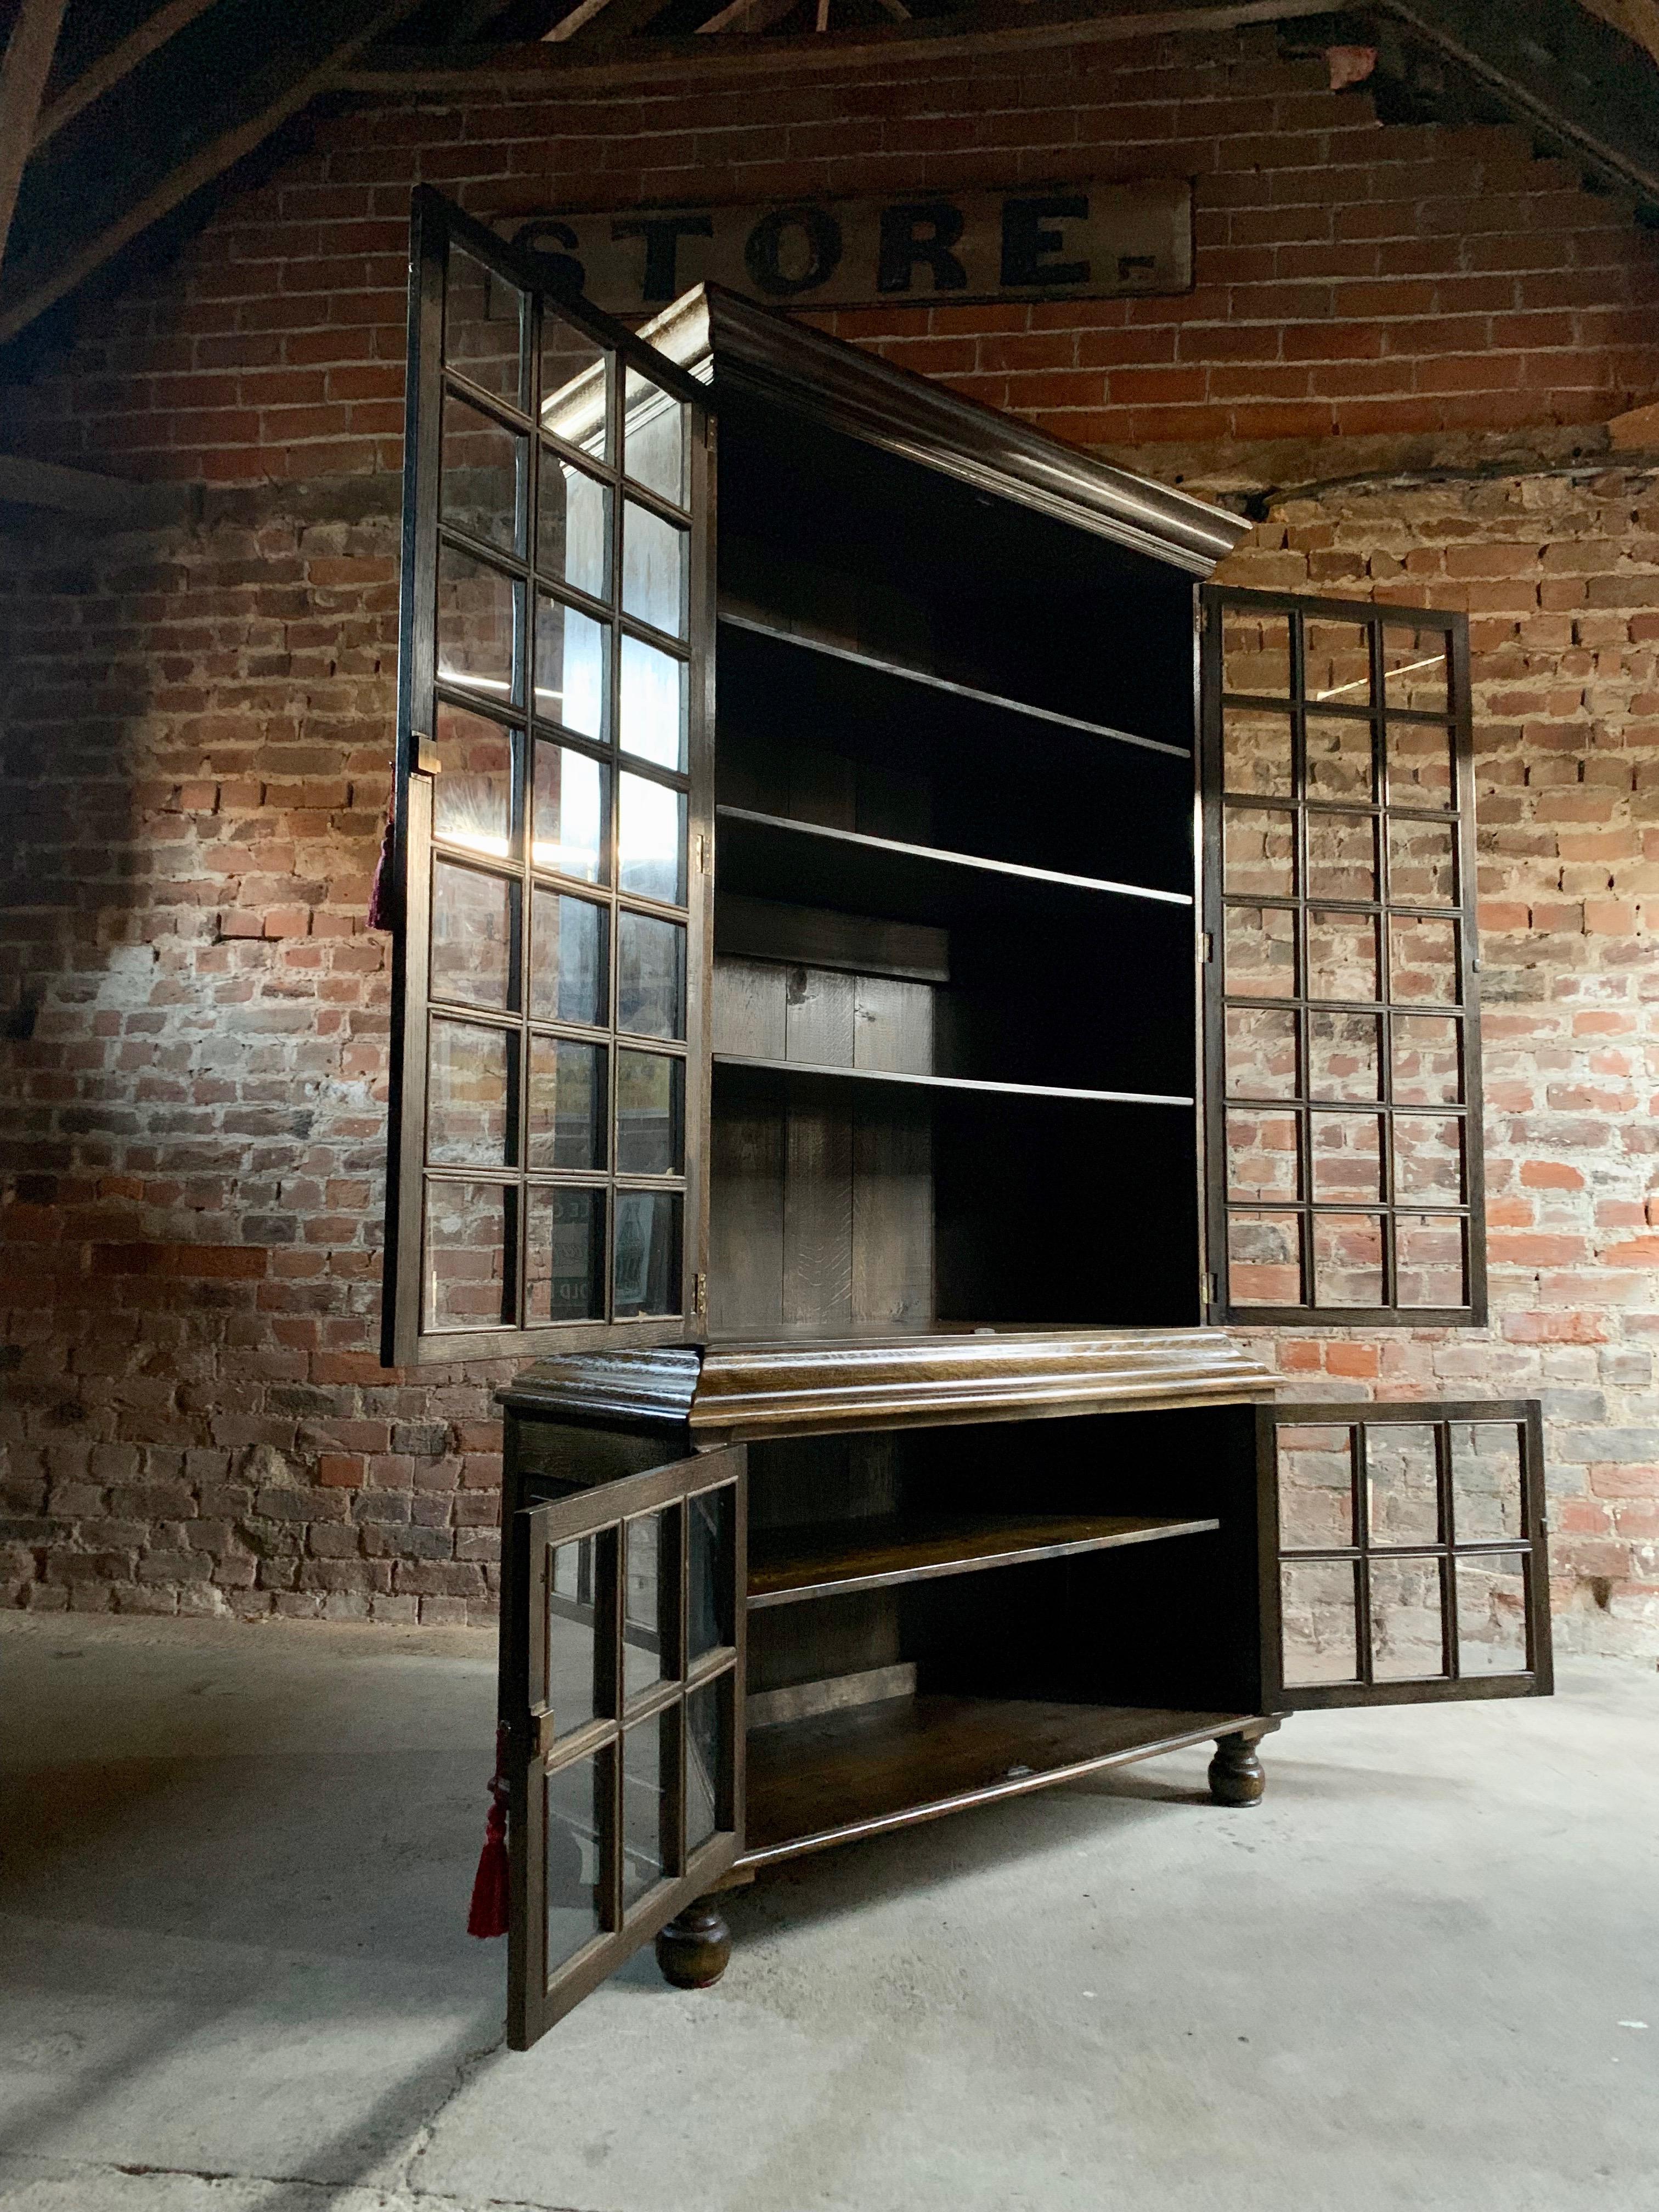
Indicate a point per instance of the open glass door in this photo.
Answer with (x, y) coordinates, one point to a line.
(623, 1665)
(546, 1185)
(1408, 1559)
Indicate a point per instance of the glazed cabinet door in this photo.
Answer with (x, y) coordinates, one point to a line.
(622, 1682)
(551, 887)
(1408, 1559)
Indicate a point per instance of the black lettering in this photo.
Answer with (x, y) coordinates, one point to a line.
(763, 254)
(662, 234)
(1026, 240)
(561, 272)
(900, 249)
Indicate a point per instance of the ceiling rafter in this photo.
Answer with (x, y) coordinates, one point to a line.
(106, 72)
(23, 73)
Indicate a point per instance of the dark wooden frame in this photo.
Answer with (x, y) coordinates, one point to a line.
(1220, 1209)
(435, 223)
(536, 1998)
(1538, 1679)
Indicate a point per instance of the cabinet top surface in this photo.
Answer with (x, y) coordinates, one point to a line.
(748, 1391)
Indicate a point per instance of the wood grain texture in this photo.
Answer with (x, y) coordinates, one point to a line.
(813, 1783)
(818, 1214)
(893, 1280)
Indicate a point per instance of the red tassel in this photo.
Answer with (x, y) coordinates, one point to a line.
(382, 904)
(487, 1914)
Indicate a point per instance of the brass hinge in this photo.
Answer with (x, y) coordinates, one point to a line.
(1211, 1290)
(700, 1294)
(703, 855)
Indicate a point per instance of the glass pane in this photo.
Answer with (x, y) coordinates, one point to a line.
(707, 1757)
(1491, 1616)
(564, 1256)
(708, 1623)
(1339, 758)
(466, 1273)
(1408, 1627)
(477, 626)
(650, 1563)
(1423, 960)
(1402, 1483)
(569, 959)
(474, 924)
(1263, 1161)
(573, 1682)
(472, 791)
(1486, 1476)
(567, 1102)
(1421, 764)
(574, 386)
(647, 1261)
(653, 438)
(1264, 1262)
(651, 840)
(651, 715)
(1256, 753)
(1336, 661)
(650, 976)
(1414, 669)
(1345, 1056)
(578, 1800)
(655, 570)
(1429, 1259)
(1342, 956)
(1341, 856)
(466, 1096)
(572, 809)
(1261, 1053)
(483, 327)
(1422, 862)
(1321, 1622)
(1256, 652)
(1347, 1259)
(1261, 952)
(648, 1798)
(1315, 1487)
(1428, 1159)
(573, 527)
(1427, 1063)
(483, 472)
(1260, 852)
(1347, 1158)
(650, 1113)
(571, 652)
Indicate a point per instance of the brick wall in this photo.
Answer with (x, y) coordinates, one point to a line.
(199, 723)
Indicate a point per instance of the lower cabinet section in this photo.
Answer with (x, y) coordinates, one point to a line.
(773, 1647)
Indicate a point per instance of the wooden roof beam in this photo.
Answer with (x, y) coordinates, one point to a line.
(23, 73)
(103, 74)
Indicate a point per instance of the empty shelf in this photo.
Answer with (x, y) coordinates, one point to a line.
(833, 1778)
(898, 669)
(787, 1565)
(952, 1082)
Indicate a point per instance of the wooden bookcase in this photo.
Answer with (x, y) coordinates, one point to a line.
(804, 1032)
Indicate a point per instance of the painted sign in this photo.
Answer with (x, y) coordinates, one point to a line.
(1054, 242)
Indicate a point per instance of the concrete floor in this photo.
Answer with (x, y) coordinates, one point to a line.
(236, 1863)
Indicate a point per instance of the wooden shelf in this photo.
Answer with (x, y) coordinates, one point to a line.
(832, 1779)
(826, 866)
(951, 1082)
(903, 674)
(789, 1565)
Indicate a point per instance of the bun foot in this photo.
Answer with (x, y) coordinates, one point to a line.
(693, 1950)
(1235, 1775)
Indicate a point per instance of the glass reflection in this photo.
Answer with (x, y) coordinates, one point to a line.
(566, 1103)
(706, 1760)
(483, 327)
(1408, 1639)
(650, 976)
(473, 928)
(573, 527)
(650, 1113)
(572, 1648)
(651, 713)
(651, 840)
(648, 1849)
(1486, 1473)
(1430, 1265)
(1347, 1252)
(571, 651)
(577, 1797)
(472, 791)
(574, 388)
(466, 1096)
(653, 438)
(478, 625)
(654, 569)
(649, 1566)
(1491, 1616)
(482, 474)
(1264, 1259)
(709, 1536)
(569, 824)
(1402, 1483)
(647, 1256)
(1321, 1622)
(1316, 1487)
(569, 959)
(564, 1254)
(466, 1276)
